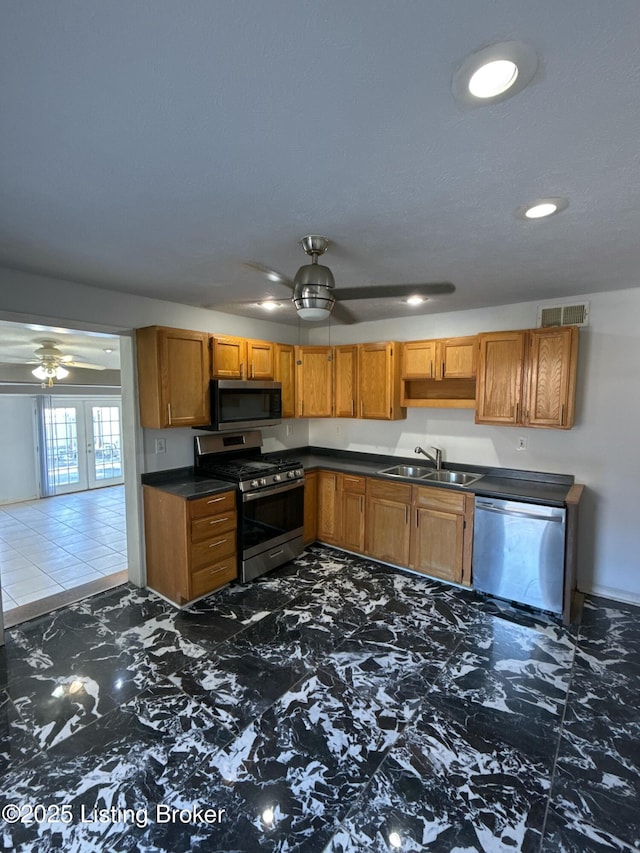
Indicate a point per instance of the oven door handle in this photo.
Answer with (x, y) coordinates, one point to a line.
(271, 490)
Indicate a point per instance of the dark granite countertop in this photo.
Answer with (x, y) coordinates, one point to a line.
(183, 483)
(509, 484)
(505, 483)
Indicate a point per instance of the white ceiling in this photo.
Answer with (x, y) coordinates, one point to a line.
(19, 341)
(151, 147)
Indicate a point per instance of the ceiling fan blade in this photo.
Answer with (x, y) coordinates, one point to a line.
(397, 291)
(342, 314)
(272, 275)
(85, 364)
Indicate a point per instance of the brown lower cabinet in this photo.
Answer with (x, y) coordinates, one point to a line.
(428, 529)
(442, 533)
(190, 544)
(387, 527)
(341, 510)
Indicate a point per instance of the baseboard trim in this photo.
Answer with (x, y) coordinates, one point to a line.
(616, 594)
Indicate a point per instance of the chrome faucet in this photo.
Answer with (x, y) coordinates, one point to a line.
(437, 459)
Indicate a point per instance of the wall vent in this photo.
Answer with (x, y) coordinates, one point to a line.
(563, 315)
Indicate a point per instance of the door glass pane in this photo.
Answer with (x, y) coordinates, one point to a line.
(61, 430)
(106, 441)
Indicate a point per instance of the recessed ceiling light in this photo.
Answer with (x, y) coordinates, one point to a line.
(415, 300)
(541, 208)
(269, 305)
(494, 73)
(493, 78)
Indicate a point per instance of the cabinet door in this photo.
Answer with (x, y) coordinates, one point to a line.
(259, 360)
(229, 357)
(285, 372)
(437, 543)
(173, 377)
(314, 382)
(345, 365)
(387, 527)
(552, 369)
(328, 515)
(379, 381)
(387, 531)
(418, 360)
(457, 358)
(500, 377)
(352, 499)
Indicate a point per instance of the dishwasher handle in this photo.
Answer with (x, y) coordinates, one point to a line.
(486, 506)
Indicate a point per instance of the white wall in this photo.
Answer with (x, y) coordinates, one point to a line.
(18, 477)
(600, 451)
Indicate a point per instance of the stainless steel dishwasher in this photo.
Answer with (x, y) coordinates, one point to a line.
(518, 552)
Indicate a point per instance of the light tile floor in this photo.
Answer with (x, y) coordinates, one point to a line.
(54, 544)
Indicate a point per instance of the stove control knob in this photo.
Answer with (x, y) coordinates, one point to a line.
(298, 472)
(277, 478)
(291, 475)
(254, 484)
(262, 481)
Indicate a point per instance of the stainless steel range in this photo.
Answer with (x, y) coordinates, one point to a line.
(270, 500)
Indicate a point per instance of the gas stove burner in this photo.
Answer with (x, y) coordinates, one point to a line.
(241, 462)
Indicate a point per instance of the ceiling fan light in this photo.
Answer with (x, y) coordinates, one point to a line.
(313, 301)
(313, 314)
(50, 372)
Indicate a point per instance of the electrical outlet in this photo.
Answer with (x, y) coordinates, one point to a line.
(161, 445)
(289, 429)
(522, 443)
(338, 429)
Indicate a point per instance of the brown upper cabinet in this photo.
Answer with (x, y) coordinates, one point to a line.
(446, 358)
(241, 358)
(345, 365)
(379, 381)
(173, 377)
(285, 373)
(527, 377)
(440, 372)
(314, 382)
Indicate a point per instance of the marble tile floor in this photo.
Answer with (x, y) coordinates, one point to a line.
(58, 543)
(334, 705)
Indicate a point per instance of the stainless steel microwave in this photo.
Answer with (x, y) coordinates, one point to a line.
(244, 404)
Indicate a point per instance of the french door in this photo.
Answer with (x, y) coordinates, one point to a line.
(82, 444)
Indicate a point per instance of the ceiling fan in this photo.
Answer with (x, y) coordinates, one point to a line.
(52, 363)
(314, 288)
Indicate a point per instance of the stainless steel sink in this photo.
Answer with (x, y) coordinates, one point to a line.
(419, 472)
(458, 478)
(415, 471)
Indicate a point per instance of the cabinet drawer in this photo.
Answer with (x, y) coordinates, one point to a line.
(384, 490)
(210, 578)
(212, 550)
(354, 484)
(443, 499)
(211, 526)
(214, 504)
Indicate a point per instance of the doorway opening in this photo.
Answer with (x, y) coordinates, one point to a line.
(62, 508)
